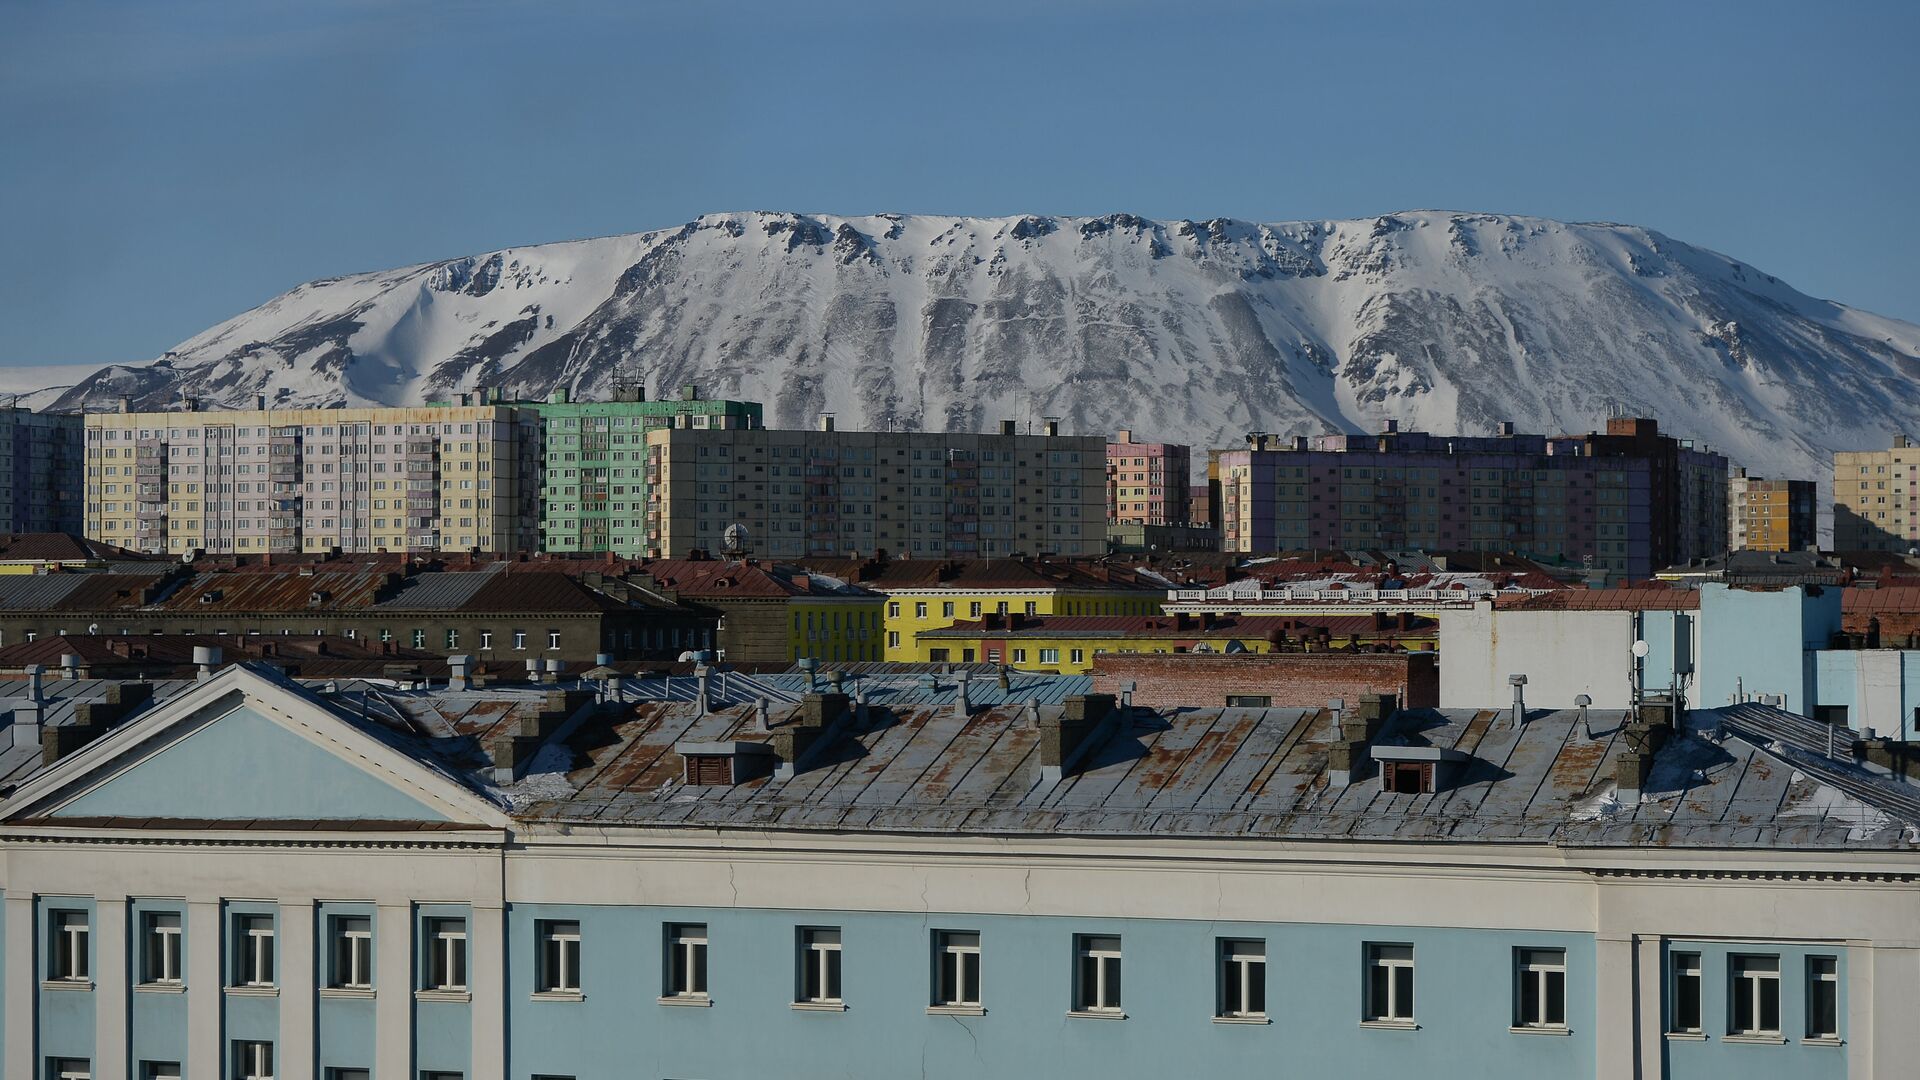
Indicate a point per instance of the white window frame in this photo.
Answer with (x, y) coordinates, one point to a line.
(253, 950)
(1536, 971)
(1749, 976)
(352, 953)
(72, 940)
(160, 953)
(822, 969)
(1384, 961)
(446, 970)
(558, 964)
(1823, 971)
(1243, 979)
(159, 1070)
(70, 1068)
(1683, 966)
(687, 974)
(252, 1059)
(956, 964)
(1097, 968)
(349, 1073)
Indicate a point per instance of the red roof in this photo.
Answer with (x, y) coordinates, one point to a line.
(1261, 627)
(1642, 598)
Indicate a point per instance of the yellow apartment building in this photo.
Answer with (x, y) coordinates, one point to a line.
(310, 480)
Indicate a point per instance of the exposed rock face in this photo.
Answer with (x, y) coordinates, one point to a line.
(1183, 330)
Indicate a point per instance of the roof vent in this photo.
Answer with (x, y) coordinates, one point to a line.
(210, 596)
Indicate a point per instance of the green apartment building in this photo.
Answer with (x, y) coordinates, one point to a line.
(593, 494)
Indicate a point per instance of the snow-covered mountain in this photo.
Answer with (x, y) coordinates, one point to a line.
(1196, 331)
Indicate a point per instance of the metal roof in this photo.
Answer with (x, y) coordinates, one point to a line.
(32, 592)
(909, 760)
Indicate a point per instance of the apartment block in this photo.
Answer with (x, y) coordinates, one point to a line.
(1626, 501)
(1148, 483)
(290, 480)
(593, 490)
(1876, 498)
(40, 472)
(1770, 515)
(821, 492)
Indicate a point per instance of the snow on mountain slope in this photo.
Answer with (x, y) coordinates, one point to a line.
(1182, 330)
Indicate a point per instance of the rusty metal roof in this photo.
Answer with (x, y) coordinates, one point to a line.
(910, 761)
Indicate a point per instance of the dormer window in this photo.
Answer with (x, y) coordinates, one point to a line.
(1406, 778)
(1419, 770)
(723, 764)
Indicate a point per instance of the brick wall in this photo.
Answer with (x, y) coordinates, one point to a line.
(1290, 680)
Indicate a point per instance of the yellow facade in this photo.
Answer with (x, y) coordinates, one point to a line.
(835, 629)
(909, 612)
(310, 480)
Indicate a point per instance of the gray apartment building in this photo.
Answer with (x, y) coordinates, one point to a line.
(798, 493)
(40, 471)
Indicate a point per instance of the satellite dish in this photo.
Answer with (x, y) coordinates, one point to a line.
(734, 538)
(1639, 648)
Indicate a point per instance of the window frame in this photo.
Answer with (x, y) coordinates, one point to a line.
(956, 965)
(350, 954)
(254, 951)
(162, 942)
(252, 1059)
(1683, 966)
(66, 1068)
(446, 942)
(1536, 970)
(70, 950)
(687, 956)
(1382, 961)
(1822, 970)
(1751, 969)
(1241, 967)
(1099, 967)
(820, 980)
(557, 957)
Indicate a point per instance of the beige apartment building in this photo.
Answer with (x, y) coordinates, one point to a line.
(1876, 498)
(291, 480)
(911, 494)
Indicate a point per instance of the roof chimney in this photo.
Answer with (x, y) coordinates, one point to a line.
(457, 665)
(826, 421)
(206, 657)
(1519, 683)
(962, 703)
(1067, 739)
(26, 714)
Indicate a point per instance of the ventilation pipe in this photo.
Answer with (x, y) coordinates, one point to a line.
(962, 703)
(1519, 683)
(703, 677)
(457, 667)
(206, 658)
(26, 715)
(1586, 722)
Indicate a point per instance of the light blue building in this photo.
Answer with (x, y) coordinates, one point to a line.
(248, 878)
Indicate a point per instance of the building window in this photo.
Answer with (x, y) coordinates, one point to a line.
(1096, 987)
(1243, 979)
(973, 609)
(162, 1070)
(352, 952)
(893, 639)
(252, 1060)
(920, 610)
(68, 1069)
(1019, 656)
(453, 639)
(820, 965)
(1033, 607)
(419, 639)
(1541, 992)
(447, 954)
(687, 960)
(1755, 1000)
(1078, 656)
(253, 950)
(1823, 998)
(957, 968)
(1049, 656)
(1249, 701)
(69, 945)
(559, 957)
(1685, 1018)
(519, 639)
(160, 948)
(946, 610)
(349, 1074)
(553, 639)
(1389, 983)
(486, 639)
(425, 1075)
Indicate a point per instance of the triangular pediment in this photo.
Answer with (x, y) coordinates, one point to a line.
(244, 747)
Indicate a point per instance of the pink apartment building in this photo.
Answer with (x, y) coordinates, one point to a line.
(1147, 482)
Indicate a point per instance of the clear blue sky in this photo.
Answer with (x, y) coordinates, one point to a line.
(166, 165)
